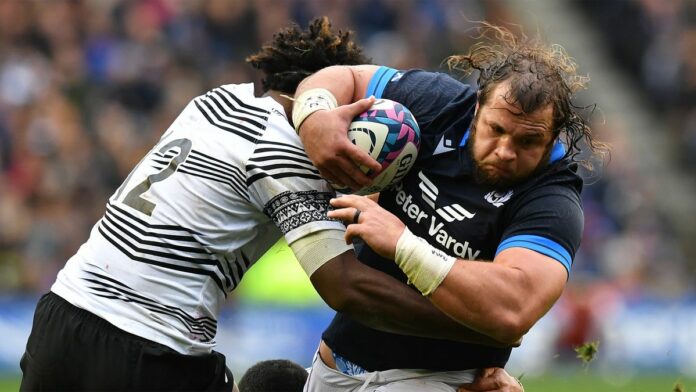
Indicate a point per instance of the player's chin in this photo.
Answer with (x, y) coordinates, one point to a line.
(495, 178)
(492, 175)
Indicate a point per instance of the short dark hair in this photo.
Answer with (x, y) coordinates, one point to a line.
(293, 54)
(539, 75)
(274, 375)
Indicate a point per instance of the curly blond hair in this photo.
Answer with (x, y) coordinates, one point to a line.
(538, 74)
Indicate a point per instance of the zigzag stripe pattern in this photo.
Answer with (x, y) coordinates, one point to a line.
(103, 286)
(279, 160)
(227, 112)
(171, 247)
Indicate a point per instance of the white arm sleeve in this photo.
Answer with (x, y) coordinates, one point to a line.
(314, 250)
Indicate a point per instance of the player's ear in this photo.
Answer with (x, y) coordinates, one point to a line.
(478, 101)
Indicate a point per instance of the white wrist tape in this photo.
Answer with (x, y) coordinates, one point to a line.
(309, 102)
(424, 265)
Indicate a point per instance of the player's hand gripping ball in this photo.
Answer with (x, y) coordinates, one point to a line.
(390, 134)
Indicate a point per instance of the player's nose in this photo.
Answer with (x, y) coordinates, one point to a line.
(504, 150)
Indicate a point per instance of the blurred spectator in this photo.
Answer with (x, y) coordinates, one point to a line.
(656, 42)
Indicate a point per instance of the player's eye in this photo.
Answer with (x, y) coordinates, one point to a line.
(529, 142)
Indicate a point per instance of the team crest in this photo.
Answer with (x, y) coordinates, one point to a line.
(498, 198)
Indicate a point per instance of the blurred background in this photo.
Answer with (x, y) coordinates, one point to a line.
(87, 87)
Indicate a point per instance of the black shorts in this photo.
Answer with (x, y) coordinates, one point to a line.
(72, 349)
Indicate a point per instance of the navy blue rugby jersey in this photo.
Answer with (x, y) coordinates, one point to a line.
(439, 201)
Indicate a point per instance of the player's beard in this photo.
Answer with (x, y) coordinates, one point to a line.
(481, 176)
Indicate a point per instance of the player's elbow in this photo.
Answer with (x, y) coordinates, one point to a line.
(350, 298)
(339, 295)
(510, 328)
(354, 297)
(346, 285)
(333, 295)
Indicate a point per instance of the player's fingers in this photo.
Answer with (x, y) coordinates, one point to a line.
(487, 372)
(340, 169)
(354, 201)
(352, 231)
(359, 157)
(476, 387)
(329, 174)
(343, 214)
(356, 108)
(350, 174)
(486, 380)
(344, 201)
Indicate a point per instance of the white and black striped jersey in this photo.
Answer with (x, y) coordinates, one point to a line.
(223, 184)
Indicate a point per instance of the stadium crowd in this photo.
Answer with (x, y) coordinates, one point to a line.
(655, 44)
(87, 86)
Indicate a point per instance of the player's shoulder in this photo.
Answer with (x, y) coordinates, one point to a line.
(559, 181)
(429, 83)
(243, 94)
(432, 95)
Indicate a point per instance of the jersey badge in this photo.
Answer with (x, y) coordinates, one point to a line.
(498, 198)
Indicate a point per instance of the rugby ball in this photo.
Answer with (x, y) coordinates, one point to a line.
(390, 134)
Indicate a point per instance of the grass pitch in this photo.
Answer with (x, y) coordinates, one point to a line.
(593, 383)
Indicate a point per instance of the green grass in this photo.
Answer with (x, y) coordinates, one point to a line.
(593, 383)
(577, 382)
(9, 383)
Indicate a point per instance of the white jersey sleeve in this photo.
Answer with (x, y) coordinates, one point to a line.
(285, 185)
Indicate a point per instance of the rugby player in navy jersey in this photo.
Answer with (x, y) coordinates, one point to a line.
(136, 307)
(486, 223)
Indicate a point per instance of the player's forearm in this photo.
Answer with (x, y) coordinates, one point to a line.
(490, 298)
(384, 303)
(501, 299)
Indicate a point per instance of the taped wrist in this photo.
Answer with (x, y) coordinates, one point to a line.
(424, 265)
(309, 102)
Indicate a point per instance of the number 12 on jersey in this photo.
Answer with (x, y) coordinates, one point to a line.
(134, 197)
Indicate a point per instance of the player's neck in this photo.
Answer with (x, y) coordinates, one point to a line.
(284, 99)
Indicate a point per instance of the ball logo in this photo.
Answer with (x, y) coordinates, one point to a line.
(358, 135)
(404, 165)
(389, 133)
